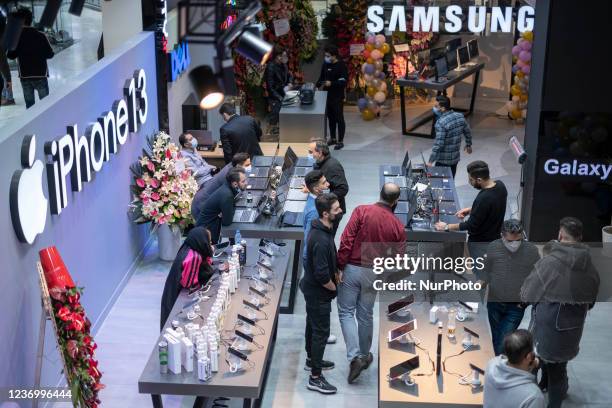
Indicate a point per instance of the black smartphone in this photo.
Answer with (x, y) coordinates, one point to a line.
(477, 369)
(264, 266)
(237, 353)
(264, 280)
(257, 292)
(244, 336)
(407, 366)
(249, 304)
(468, 307)
(471, 332)
(246, 320)
(400, 304)
(265, 253)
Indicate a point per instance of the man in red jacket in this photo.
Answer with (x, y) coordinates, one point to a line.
(371, 230)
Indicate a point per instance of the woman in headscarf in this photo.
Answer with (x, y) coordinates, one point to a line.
(192, 267)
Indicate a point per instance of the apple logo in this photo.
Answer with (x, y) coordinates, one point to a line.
(27, 200)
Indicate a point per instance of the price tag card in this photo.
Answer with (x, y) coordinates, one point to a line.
(356, 49)
(401, 47)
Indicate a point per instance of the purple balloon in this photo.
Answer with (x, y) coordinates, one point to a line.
(381, 75)
(515, 69)
(369, 69)
(362, 103)
(525, 56)
(526, 46)
(516, 50)
(526, 69)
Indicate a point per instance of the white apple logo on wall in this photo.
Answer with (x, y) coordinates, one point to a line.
(28, 202)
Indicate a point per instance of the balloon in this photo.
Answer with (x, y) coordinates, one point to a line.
(368, 77)
(383, 86)
(385, 48)
(528, 35)
(381, 75)
(373, 106)
(515, 98)
(378, 65)
(515, 68)
(525, 56)
(366, 53)
(526, 69)
(526, 46)
(369, 69)
(520, 74)
(367, 114)
(362, 103)
(371, 91)
(519, 63)
(378, 44)
(516, 50)
(380, 38)
(369, 47)
(515, 113)
(380, 97)
(520, 41)
(371, 39)
(376, 54)
(376, 83)
(515, 90)
(370, 60)
(523, 98)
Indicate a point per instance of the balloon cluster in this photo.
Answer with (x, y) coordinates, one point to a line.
(376, 88)
(521, 57)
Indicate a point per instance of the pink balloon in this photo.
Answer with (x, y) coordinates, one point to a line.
(526, 69)
(371, 40)
(516, 50)
(380, 97)
(378, 43)
(376, 55)
(519, 64)
(525, 56)
(526, 45)
(381, 38)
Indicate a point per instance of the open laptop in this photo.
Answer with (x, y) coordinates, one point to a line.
(241, 198)
(204, 138)
(398, 180)
(297, 182)
(265, 161)
(296, 195)
(393, 170)
(246, 215)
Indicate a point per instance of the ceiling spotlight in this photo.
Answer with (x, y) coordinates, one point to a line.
(76, 7)
(50, 13)
(12, 32)
(207, 88)
(253, 48)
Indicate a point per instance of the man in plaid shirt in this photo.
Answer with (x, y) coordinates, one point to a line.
(450, 126)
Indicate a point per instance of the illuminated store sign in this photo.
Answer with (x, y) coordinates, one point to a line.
(179, 60)
(575, 168)
(74, 155)
(427, 19)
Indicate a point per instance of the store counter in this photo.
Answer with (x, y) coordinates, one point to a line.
(299, 123)
(248, 385)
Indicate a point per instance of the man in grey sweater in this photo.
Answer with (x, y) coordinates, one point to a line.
(509, 261)
(509, 382)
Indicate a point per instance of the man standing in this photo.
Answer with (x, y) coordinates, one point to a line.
(240, 134)
(319, 288)
(509, 379)
(278, 82)
(332, 169)
(509, 261)
(32, 53)
(200, 170)
(239, 160)
(371, 230)
(486, 214)
(450, 127)
(333, 80)
(562, 288)
(219, 209)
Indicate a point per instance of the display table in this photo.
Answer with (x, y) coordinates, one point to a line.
(299, 123)
(215, 157)
(248, 385)
(268, 148)
(440, 87)
(431, 390)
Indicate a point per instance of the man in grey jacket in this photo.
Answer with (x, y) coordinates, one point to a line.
(562, 288)
(509, 381)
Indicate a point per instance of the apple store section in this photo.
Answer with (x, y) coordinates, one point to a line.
(305, 204)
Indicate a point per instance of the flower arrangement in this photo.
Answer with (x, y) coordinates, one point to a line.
(162, 191)
(77, 345)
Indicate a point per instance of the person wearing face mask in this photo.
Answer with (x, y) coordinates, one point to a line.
(332, 169)
(219, 209)
(191, 268)
(450, 127)
(239, 160)
(486, 215)
(278, 82)
(562, 288)
(371, 231)
(333, 79)
(509, 380)
(200, 170)
(510, 259)
(240, 134)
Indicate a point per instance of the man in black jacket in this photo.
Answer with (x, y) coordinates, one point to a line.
(278, 81)
(219, 209)
(239, 134)
(562, 288)
(333, 80)
(319, 288)
(240, 159)
(32, 53)
(332, 169)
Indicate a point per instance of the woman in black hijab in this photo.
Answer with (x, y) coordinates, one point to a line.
(192, 267)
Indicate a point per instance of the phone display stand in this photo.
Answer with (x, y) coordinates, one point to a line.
(235, 364)
(403, 312)
(241, 344)
(250, 313)
(475, 381)
(467, 341)
(407, 339)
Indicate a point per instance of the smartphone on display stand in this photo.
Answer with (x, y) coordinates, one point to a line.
(402, 330)
(399, 305)
(397, 371)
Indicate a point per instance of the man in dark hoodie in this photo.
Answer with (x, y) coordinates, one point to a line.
(319, 288)
(509, 379)
(332, 170)
(562, 288)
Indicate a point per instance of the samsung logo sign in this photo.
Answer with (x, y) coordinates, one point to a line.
(554, 167)
(427, 19)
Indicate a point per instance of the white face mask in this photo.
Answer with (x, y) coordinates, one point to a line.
(194, 143)
(512, 246)
(248, 169)
(310, 156)
(328, 60)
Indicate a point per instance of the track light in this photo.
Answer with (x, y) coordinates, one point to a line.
(76, 7)
(253, 48)
(12, 32)
(50, 13)
(206, 87)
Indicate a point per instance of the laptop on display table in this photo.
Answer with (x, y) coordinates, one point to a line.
(297, 182)
(398, 180)
(296, 195)
(265, 161)
(301, 171)
(204, 138)
(392, 170)
(241, 199)
(247, 215)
